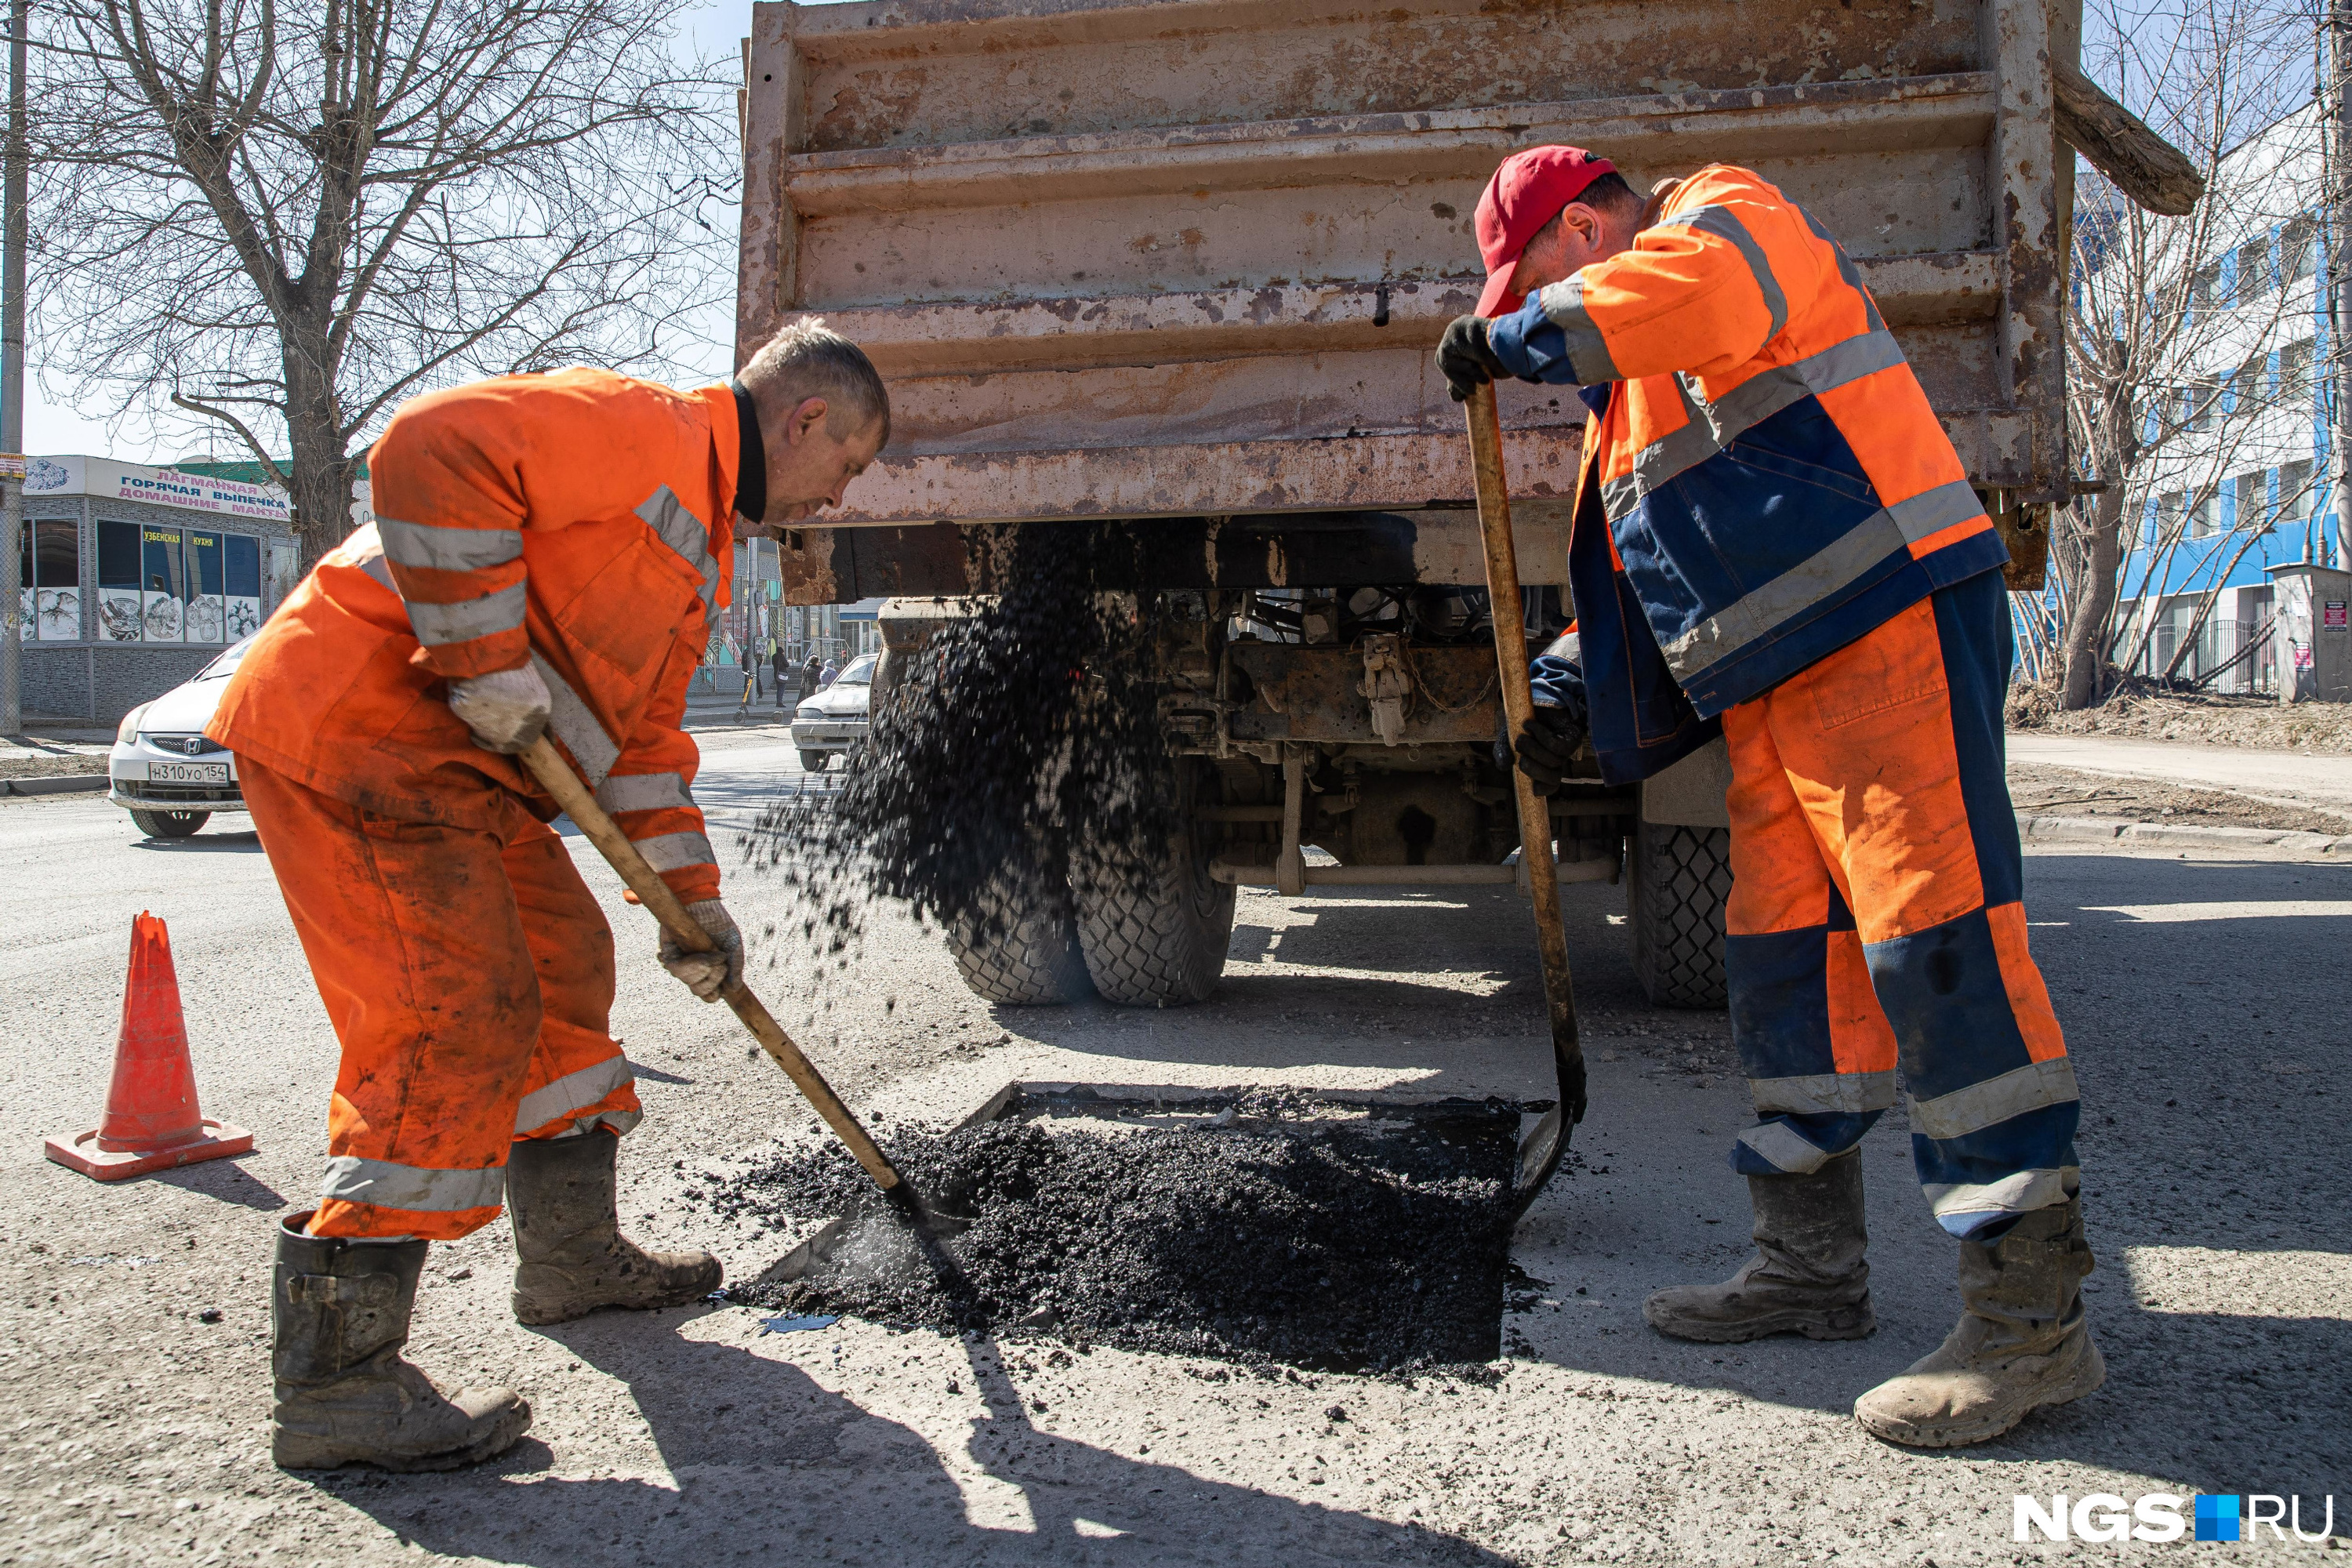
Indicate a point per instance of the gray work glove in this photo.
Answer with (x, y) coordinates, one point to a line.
(507, 709)
(1465, 358)
(707, 975)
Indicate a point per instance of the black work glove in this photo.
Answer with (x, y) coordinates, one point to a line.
(1465, 358)
(1551, 740)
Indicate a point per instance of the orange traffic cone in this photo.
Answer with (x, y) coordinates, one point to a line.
(152, 1121)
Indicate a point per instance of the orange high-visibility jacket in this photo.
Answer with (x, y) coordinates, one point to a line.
(1764, 480)
(584, 521)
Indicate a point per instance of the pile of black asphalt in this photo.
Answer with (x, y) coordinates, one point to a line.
(1321, 1242)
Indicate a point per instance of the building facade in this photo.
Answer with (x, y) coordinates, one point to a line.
(135, 578)
(2242, 483)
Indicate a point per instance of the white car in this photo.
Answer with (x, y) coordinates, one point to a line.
(163, 770)
(829, 723)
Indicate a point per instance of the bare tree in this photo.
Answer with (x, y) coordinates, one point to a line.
(286, 222)
(2182, 368)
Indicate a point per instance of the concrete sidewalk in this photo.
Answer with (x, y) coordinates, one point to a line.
(2299, 776)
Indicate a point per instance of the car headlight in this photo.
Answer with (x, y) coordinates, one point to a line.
(128, 731)
(816, 713)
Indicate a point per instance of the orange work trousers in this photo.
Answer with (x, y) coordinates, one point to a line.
(1877, 919)
(469, 975)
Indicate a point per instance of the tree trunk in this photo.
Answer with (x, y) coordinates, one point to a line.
(2094, 603)
(322, 470)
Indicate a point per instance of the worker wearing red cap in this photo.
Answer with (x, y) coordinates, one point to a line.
(1773, 538)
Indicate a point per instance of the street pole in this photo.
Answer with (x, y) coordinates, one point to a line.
(2339, 183)
(12, 382)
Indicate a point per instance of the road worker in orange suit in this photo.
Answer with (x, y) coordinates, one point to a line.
(1773, 538)
(548, 555)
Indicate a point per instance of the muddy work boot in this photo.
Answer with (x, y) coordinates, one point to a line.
(561, 1193)
(1808, 1277)
(339, 1311)
(2022, 1341)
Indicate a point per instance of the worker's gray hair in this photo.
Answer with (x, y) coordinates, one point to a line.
(809, 359)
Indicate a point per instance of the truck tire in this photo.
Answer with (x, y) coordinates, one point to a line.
(1161, 944)
(168, 824)
(1679, 878)
(1022, 949)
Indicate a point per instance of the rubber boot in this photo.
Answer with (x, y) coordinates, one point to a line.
(339, 1311)
(562, 1193)
(1808, 1275)
(2020, 1344)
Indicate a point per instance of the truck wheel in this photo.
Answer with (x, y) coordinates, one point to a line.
(1020, 948)
(1679, 880)
(168, 824)
(1158, 940)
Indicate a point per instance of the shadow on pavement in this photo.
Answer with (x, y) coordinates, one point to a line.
(245, 843)
(770, 1466)
(226, 1180)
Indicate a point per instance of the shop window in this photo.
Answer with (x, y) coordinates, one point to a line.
(163, 584)
(49, 563)
(207, 599)
(285, 565)
(50, 582)
(244, 581)
(119, 616)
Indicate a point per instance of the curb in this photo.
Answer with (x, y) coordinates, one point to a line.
(71, 783)
(2162, 836)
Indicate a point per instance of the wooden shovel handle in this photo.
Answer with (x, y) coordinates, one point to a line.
(1519, 711)
(555, 775)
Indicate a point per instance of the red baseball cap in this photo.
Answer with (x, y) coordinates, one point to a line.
(1526, 193)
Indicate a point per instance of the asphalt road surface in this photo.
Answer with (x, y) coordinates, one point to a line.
(2205, 1001)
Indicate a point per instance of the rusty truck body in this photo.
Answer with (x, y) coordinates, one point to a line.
(1176, 268)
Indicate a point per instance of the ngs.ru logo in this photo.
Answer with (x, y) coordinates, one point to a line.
(2157, 1517)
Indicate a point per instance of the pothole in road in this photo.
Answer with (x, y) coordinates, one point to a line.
(1262, 1233)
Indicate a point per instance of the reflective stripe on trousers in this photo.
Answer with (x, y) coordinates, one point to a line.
(1877, 918)
(468, 976)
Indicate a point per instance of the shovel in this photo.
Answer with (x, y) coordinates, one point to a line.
(555, 775)
(1541, 1150)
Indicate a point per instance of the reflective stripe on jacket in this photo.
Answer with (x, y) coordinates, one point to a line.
(582, 521)
(1772, 480)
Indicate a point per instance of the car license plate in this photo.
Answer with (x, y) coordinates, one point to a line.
(187, 773)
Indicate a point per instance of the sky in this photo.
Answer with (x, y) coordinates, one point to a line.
(54, 426)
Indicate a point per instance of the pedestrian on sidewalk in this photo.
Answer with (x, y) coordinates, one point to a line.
(828, 675)
(778, 667)
(1774, 540)
(465, 967)
(751, 667)
(811, 673)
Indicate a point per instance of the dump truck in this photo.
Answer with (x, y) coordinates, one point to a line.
(1175, 269)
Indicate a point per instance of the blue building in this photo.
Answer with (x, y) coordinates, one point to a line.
(2241, 479)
